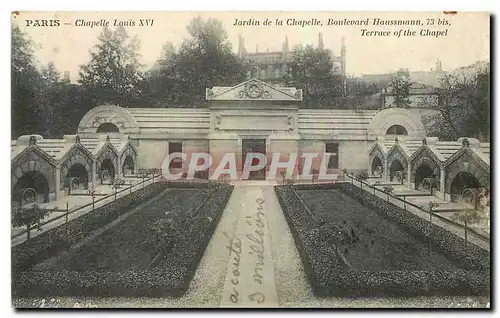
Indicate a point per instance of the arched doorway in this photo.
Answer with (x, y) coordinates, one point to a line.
(77, 178)
(128, 166)
(396, 166)
(107, 128)
(377, 162)
(396, 130)
(107, 172)
(462, 181)
(31, 187)
(423, 172)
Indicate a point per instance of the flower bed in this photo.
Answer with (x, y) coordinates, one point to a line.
(470, 255)
(169, 276)
(330, 274)
(50, 243)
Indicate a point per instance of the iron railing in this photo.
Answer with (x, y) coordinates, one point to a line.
(68, 211)
(407, 203)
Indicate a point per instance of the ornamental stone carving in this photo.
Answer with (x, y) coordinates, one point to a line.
(254, 90)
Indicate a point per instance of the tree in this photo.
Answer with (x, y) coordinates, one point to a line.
(361, 95)
(28, 217)
(401, 84)
(431, 207)
(362, 176)
(24, 81)
(312, 71)
(467, 218)
(49, 98)
(168, 50)
(204, 60)
(388, 190)
(464, 106)
(113, 73)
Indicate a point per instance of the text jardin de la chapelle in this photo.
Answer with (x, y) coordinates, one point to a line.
(431, 27)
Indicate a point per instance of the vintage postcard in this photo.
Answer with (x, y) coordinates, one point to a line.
(250, 159)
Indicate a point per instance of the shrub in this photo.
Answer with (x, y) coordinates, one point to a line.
(471, 256)
(329, 275)
(51, 242)
(170, 276)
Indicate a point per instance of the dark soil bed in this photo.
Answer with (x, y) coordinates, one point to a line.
(353, 243)
(125, 260)
(383, 244)
(130, 244)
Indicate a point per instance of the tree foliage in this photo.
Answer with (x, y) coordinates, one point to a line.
(29, 216)
(204, 60)
(401, 83)
(113, 73)
(360, 95)
(312, 71)
(24, 81)
(464, 106)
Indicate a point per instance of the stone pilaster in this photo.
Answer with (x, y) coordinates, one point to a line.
(408, 174)
(386, 171)
(441, 181)
(119, 164)
(58, 182)
(93, 173)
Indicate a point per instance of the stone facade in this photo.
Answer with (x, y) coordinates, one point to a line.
(254, 110)
(48, 165)
(253, 116)
(273, 67)
(440, 161)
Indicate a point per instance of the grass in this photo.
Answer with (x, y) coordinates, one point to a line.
(130, 244)
(382, 244)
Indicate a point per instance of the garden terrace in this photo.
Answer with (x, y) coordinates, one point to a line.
(355, 244)
(128, 259)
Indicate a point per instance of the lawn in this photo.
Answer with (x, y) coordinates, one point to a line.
(382, 244)
(123, 257)
(353, 244)
(130, 244)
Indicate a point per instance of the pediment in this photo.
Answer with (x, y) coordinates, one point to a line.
(254, 89)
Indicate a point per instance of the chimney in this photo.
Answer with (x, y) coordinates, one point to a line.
(438, 66)
(241, 46)
(285, 48)
(320, 41)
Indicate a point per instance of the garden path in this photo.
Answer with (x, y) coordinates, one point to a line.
(286, 284)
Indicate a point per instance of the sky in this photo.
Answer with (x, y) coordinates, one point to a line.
(466, 40)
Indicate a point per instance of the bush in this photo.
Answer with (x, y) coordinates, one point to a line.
(453, 246)
(170, 276)
(329, 275)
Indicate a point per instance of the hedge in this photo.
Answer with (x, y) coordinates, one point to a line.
(53, 241)
(329, 276)
(170, 277)
(471, 256)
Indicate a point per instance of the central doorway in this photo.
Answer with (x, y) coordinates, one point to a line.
(255, 146)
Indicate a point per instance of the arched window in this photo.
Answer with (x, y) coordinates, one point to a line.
(396, 130)
(108, 128)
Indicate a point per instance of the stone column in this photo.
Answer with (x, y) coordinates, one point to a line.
(119, 164)
(58, 182)
(93, 173)
(386, 170)
(408, 174)
(441, 182)
(239, 157)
